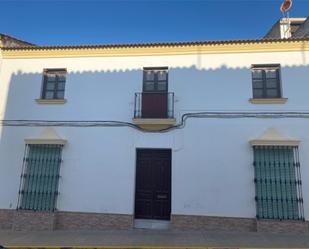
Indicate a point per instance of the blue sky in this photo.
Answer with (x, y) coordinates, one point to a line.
(64, 22)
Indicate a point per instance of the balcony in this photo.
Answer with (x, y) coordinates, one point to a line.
(154, 110)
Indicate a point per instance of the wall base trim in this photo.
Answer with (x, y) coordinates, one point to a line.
(6, 219)
(24, 220)
(27, 220)
(213, 223)
(282, 226)
(92, 221)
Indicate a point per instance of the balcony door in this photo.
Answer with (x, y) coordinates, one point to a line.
(155, 95)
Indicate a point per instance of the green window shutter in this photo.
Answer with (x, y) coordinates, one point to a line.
(277, 183)
(40, 177)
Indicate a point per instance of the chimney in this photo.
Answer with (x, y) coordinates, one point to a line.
(285, 28)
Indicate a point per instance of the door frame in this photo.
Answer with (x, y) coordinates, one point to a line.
(135, 174)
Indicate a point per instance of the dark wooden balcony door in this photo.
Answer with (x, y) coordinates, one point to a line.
(154, 105)
(153, 184)
(155, 96)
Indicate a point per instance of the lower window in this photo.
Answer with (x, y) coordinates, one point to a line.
(278, 183)
(40, 177)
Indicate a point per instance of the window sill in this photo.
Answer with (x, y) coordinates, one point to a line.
(51, 101)
(268, 100)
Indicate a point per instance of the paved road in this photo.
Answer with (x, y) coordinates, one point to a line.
(140, 237)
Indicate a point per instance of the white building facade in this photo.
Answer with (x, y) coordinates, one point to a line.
(207, 135)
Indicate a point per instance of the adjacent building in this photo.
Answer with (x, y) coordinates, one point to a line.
(192, 135)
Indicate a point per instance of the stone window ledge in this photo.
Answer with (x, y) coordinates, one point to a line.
(268, 100)
(51, 101)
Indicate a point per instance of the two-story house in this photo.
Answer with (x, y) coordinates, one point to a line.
(191, 135)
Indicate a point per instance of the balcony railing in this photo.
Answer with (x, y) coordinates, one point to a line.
(158, 105)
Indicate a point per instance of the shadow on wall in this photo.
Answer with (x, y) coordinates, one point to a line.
(109, 96)
(99, 96)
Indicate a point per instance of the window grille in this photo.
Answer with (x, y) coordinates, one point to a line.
(40, 177)
(278, 183)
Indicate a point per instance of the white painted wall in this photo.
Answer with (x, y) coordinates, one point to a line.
(212, 172)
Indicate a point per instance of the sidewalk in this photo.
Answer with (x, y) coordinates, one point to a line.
(151, 238)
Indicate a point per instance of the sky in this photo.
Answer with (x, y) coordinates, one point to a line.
(72, 22)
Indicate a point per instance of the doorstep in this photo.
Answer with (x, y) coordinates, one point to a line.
(151, 224)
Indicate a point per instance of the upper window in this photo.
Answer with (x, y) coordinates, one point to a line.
(53, 83)
(155, 79)
(266, 81)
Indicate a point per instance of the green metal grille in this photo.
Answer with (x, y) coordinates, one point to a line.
(278, 183)
(40, 177)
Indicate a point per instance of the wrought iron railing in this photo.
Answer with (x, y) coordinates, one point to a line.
(154, 105)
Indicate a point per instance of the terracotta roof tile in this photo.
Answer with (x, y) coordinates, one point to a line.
(159, 44)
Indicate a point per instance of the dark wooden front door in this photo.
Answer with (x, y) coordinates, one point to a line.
(153, 184)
